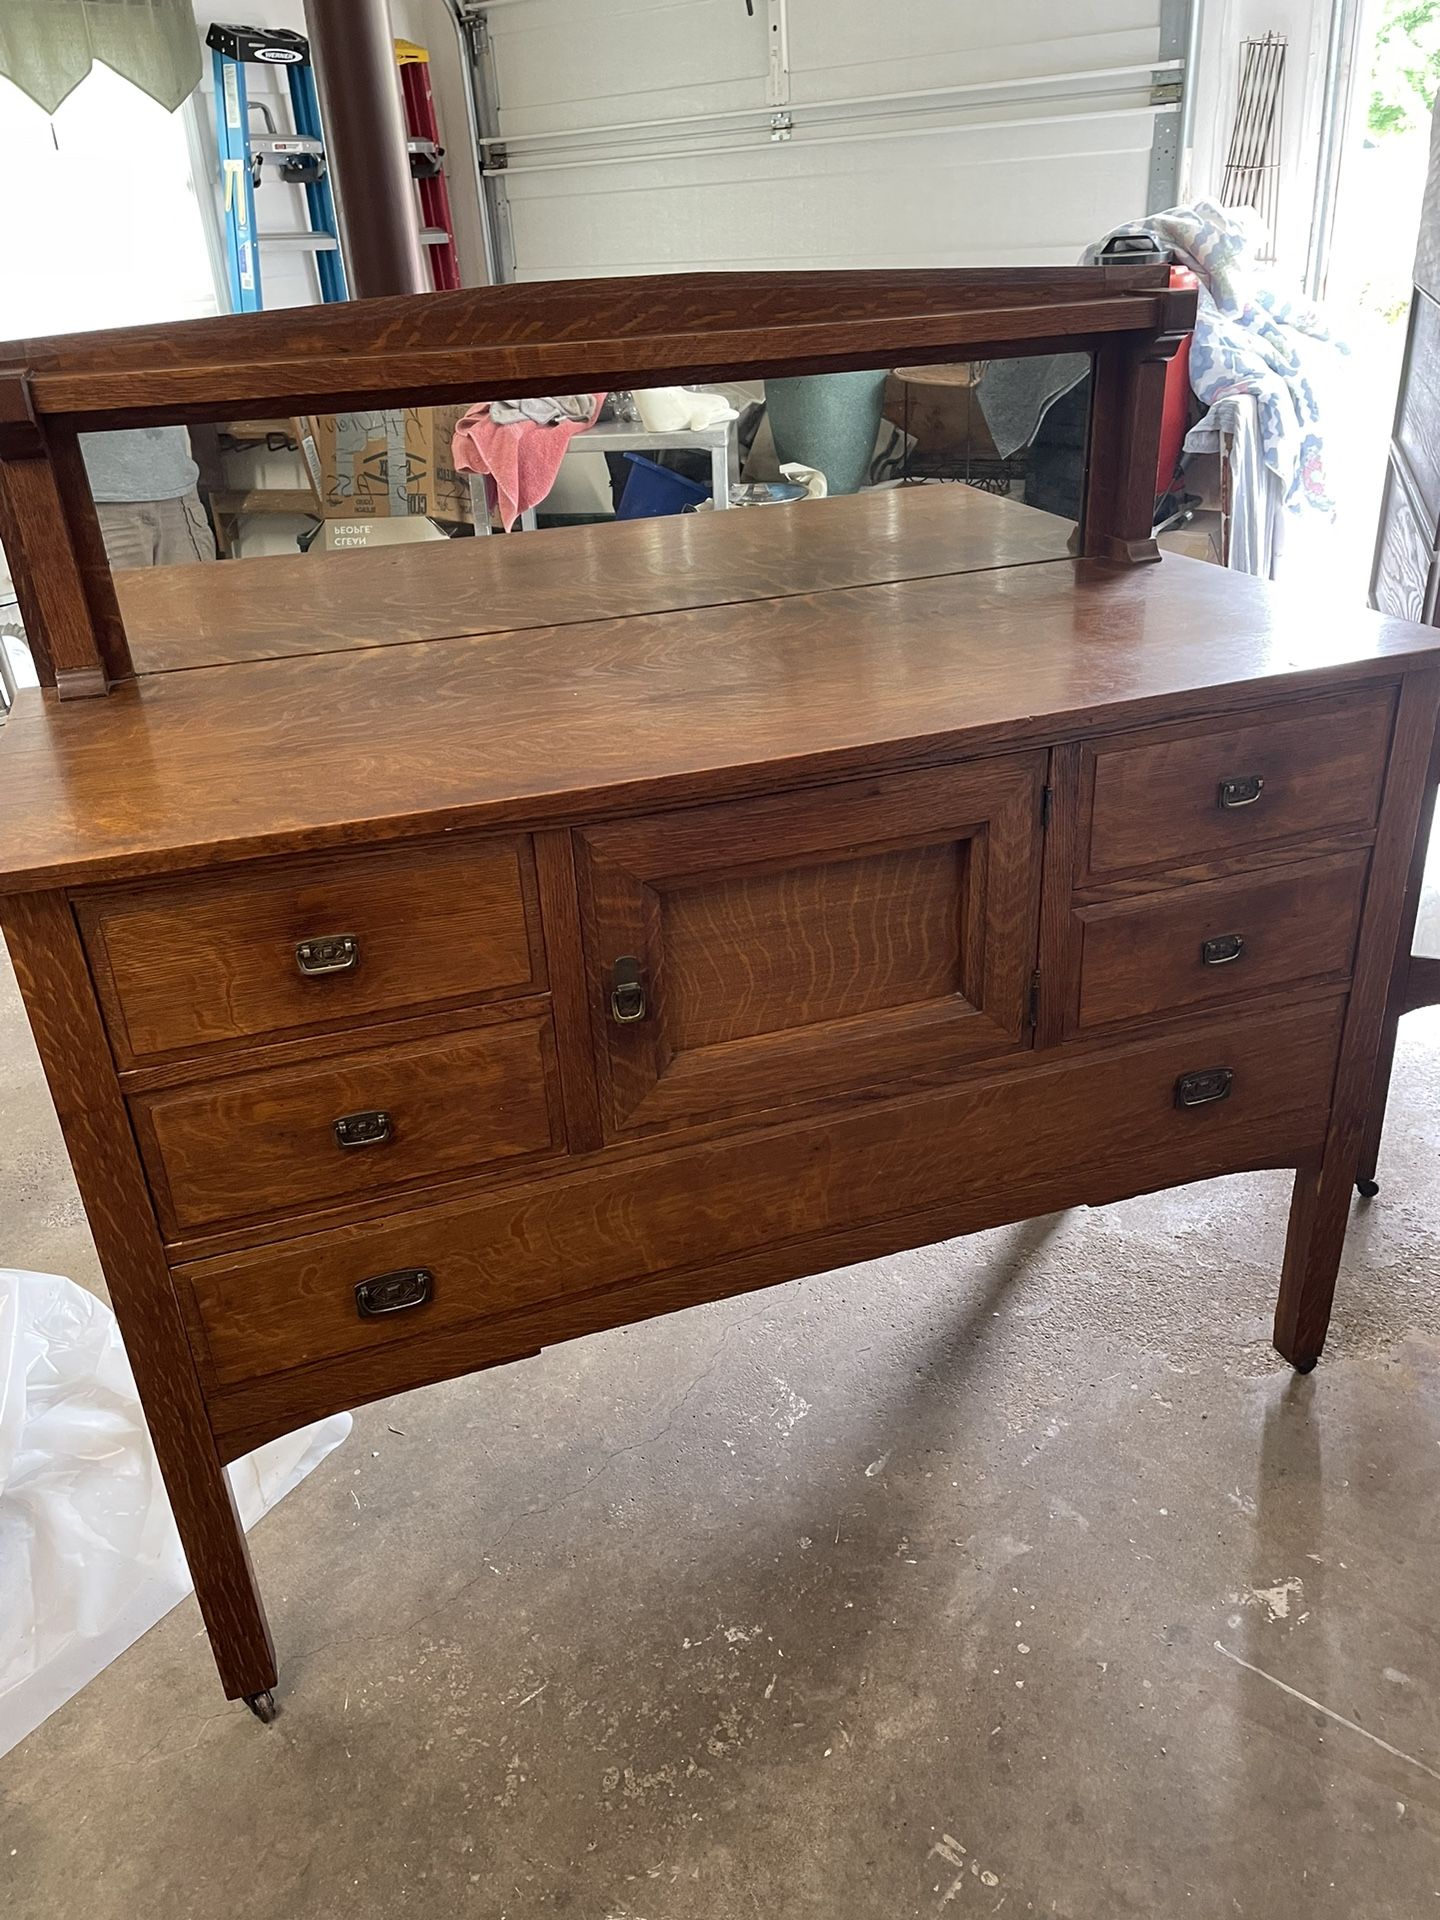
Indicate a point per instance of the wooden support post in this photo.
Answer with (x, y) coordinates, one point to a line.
(52, 540)
(1320, 1205)
(50, 963)
(1127, 402)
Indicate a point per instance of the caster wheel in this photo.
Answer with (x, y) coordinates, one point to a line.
(1367, 1189)
(1307, 1366)
(262, 1705)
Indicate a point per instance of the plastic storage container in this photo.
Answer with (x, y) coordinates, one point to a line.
(653, 490)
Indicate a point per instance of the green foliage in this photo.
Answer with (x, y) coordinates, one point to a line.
(1406, 73)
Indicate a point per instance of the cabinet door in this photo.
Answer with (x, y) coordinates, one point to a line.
(761, 952)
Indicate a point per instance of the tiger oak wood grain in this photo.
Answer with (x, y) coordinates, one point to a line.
(264, 1143)
(670, 329)
(1320, 1200)
(292, 1306)
(1142, 955)
(195, 770)
(804, 942)
(210, 964)
(50, 966)
(280, 604)
(1156, 801)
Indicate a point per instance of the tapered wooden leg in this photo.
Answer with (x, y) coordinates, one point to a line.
(1320, 1204)
(1319, 1211)
(1414, 982)
(50, 966)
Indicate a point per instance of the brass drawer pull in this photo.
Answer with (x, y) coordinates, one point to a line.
(362, 1129)
(627, 991)
(1222, 949)
(1241, 790)
(331, 953)
(394, 1292)
(1199, 1089)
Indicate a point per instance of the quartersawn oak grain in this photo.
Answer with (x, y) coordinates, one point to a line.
(559, 725)
(1142, 955)
(206, 965)
(267, 608)
(802, 943)
(291, 1306)
(254, 1144)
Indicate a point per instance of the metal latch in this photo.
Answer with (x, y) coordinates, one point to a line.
(627, 991)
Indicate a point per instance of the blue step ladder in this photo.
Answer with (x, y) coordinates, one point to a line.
(297, 159)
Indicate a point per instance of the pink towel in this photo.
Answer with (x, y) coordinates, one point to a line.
(520, 460)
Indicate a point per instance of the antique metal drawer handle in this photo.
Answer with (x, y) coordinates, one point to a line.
(394, 1292)
(362, 1129)
(1220, 951)
(1241, 790)
(331, 953)
(1199, 1089)
(627, 991)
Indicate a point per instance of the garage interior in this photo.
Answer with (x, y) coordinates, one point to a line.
(1014, 1572)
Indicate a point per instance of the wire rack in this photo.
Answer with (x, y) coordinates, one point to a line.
(1252, 164)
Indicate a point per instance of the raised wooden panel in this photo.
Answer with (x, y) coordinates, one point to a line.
(840, 938)
(1098, 1119)
(260, 1143)
(209, 963)
(1403, 556)
(1285, 926)
(1156, 797)
(1417, 415)
(829, 940)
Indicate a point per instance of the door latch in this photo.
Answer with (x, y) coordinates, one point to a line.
(627, 991)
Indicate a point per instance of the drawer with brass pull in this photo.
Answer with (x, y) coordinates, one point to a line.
(221, 962)
(1179, 794)
(1223, 1093)
(360, 1123)
(1219, 940)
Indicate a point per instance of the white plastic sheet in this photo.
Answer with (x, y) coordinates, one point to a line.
(89, 1554)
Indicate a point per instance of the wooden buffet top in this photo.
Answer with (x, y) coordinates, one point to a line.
(334, 700)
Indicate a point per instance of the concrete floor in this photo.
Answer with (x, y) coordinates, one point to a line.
(1014, 1575)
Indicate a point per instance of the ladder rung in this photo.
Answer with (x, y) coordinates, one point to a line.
(304, 242)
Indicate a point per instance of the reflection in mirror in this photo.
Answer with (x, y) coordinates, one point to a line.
(989, 456)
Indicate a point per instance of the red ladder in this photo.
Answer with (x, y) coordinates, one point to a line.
(426, 156)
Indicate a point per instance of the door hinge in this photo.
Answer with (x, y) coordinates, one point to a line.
(1034, 1009)
(1047, 804)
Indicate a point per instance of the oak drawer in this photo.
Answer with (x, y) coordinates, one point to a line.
(254, 1144)
(1064, 1132)
(1220, 940)
(217, 961)
(1299, 769)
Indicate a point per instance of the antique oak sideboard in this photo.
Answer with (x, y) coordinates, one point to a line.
(436, 953)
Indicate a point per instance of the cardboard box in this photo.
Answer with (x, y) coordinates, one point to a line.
(339, 536)
(390, 464)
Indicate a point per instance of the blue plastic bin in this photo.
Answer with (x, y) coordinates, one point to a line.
(653, 490)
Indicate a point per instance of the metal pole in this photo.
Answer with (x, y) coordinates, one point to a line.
(352, 47)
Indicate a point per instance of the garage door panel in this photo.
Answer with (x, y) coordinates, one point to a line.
(1026, 176)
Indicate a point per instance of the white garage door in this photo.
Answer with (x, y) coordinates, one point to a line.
(658, 135)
